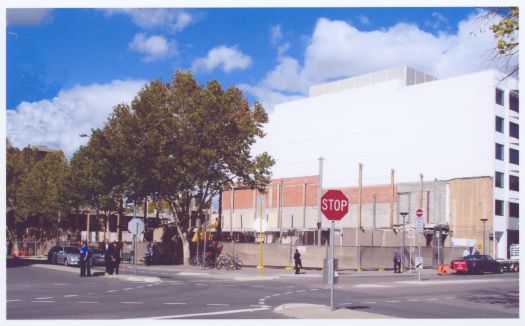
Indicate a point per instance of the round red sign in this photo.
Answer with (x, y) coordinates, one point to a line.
(419, 212)
(334, 205)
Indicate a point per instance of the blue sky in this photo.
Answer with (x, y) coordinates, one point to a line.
(67, 68)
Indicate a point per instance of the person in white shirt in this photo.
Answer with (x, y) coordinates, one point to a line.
(466, 253)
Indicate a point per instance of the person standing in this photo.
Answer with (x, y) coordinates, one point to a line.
(397, 261)
(297, 260)
(84, 260)
(108, 257)
(116, 257)
(466, 253)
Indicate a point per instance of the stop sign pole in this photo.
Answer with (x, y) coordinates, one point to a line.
(334, 205)
(419, 218)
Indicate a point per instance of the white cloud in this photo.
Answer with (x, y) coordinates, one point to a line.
(228, 58)
(363, 20)
(266, 96)
(276, 34)
(170, 19)
(57, 123)
(155, 47)
(31, 16)
(337, 49)
(438, 21)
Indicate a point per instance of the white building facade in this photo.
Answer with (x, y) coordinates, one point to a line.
(459, 127)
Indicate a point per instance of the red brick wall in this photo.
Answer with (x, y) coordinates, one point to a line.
(293, 193)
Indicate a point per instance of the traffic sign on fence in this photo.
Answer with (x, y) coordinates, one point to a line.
(136, 226)
(419, 262)
(334, 205)
(419, 220)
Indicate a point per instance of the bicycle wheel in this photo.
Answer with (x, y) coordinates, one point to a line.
(238, 265)
(219, 264)
(230, 265)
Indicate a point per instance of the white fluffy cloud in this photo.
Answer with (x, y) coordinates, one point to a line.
(276, 34)
(155, 47)
(337, 49)
(57, 123)
(171, 19)
(33, 16)
(227, 58)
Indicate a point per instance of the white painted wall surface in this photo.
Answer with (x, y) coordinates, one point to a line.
(443, 129)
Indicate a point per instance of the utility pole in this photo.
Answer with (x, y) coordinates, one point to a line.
(319, 193)
(392, 198)
(404, 214)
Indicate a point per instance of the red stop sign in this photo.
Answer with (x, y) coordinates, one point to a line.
(334, 205)
(419, 212)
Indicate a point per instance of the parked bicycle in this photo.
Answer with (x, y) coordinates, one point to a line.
(229, 262)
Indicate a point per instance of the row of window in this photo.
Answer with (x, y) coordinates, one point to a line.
(514, 208)
(514, 181)
(514, 128)
(514, 154)
(514, 99)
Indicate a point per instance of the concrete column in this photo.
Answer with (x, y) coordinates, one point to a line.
(88, 230)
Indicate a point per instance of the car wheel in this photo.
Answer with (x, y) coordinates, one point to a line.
(66, 263)
(501, 269)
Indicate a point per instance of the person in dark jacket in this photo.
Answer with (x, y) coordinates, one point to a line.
(297, 260)
(397, 261)
(108, 257)
(116, 257)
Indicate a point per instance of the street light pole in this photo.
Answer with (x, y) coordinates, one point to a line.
(484, 220)
(404, 214)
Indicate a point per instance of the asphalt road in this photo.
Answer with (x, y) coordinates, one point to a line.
(41, 293)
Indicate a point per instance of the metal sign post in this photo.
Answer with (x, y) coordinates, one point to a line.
(332, 271)
(419, 230)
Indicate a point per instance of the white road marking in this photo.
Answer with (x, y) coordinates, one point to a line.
(88, 302)
(42, 301)
(300, 291)
(13, 300)
(288, 292)
(413, 300)
(43, 298)
(454, 281)
(314, 289)
(369, 302)
(277, 294)
(256, 286)
(112, 291)
(372, 286)
(268, 296)
(345, 303)
(131, 302)
(174, 302)
(392, 301)
(127, 289)
(57, 284)
(431, 299)
(226, 312)
(217, 304)
(450, 298)
(260, 306)
(200, 284)
(70, 295)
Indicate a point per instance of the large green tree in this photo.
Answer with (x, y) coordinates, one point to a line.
(37, 190)
(184, 142)
(96, 179)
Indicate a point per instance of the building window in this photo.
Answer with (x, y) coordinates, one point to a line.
(499, 124)
(498, 205)
(499, 96)
(514, 130)
(514, 102)
(499, 151)
(498, 179)
(514, 210)
(514, 183)
(514, 156)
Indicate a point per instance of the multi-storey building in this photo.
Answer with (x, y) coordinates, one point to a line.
(453, 129)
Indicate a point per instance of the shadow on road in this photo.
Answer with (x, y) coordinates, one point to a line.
(20, 262)
(509, 299)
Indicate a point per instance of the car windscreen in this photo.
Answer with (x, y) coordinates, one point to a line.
(72, 250)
